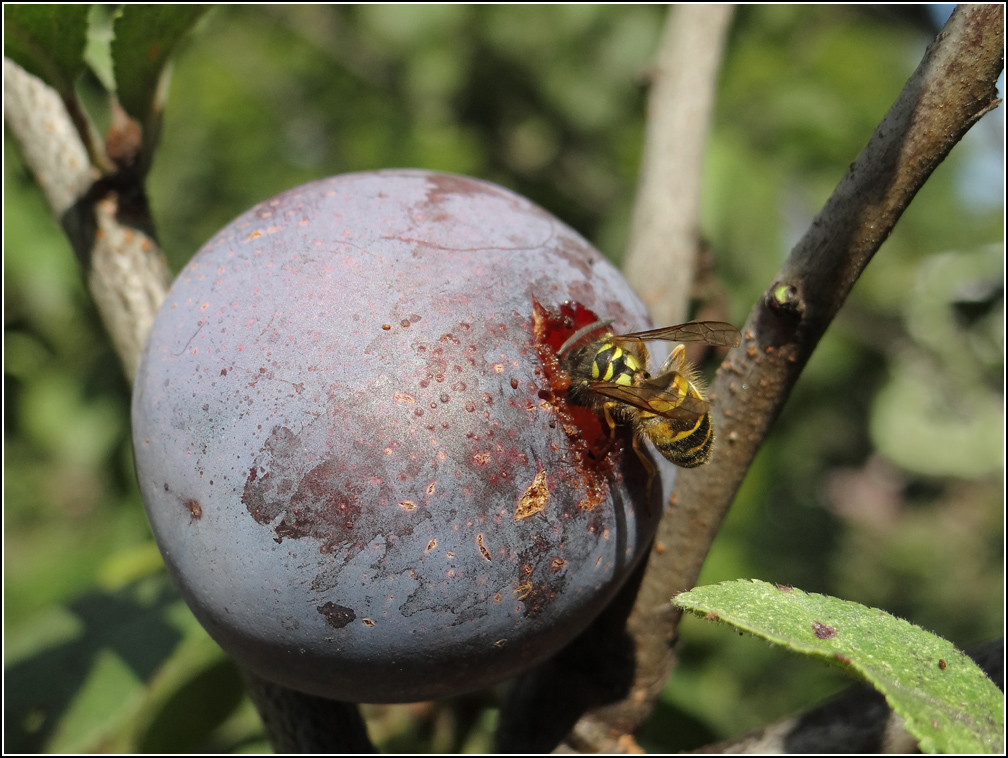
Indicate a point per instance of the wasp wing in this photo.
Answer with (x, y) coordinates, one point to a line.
(660, 399)
(719, 333)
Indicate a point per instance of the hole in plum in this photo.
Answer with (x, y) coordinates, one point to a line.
(596, 452)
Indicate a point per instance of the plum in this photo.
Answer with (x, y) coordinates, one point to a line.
(354, 447)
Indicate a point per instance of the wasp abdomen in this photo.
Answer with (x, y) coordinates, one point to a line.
(689, 448)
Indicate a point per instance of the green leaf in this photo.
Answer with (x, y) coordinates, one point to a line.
(145, 37)
(948, 703)
(77, 675)
(98, 53)
(47, 41)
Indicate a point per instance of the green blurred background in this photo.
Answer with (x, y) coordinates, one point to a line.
(883, 481)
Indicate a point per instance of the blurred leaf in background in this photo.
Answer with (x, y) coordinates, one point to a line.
(882, 482)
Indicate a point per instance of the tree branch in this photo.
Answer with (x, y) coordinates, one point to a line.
(106, 219)
(49, 143)
(300, 723)
(954, 85)
(664, 236)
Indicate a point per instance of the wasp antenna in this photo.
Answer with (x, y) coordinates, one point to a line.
(581, 333)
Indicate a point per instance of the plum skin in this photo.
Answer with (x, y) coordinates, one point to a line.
(343, 445)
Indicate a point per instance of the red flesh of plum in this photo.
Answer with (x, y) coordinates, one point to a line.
(354, 446)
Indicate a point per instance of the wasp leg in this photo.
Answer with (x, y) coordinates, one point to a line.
(612, 427)
(609, 420)
(645, 462)
(641, 456)
(675, 360)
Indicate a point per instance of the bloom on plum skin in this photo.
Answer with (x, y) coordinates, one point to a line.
(396, 503)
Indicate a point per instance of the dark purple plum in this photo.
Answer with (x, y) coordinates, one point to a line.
(355, 450)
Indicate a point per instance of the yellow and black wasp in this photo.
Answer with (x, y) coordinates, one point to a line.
(609, 373)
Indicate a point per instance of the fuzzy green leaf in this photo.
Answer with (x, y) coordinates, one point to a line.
(47, 41)
(948, 703)
(145, 37)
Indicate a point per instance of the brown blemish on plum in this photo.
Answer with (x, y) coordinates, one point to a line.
(522, 591)
(431, 545)
(368, 622)
(407, 505)
(578, 257)
(324, 502)
(440, 186)
(483, 550)
(534, 499)
(583, 292)
(538, 595)
(195, 510)
(337, 616)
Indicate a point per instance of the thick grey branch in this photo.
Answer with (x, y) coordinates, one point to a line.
(48, 140)
(124, 267)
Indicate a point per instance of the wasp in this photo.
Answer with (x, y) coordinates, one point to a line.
(609, 373)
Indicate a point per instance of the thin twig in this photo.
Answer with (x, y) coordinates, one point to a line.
(954, 85)
(664, 236)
